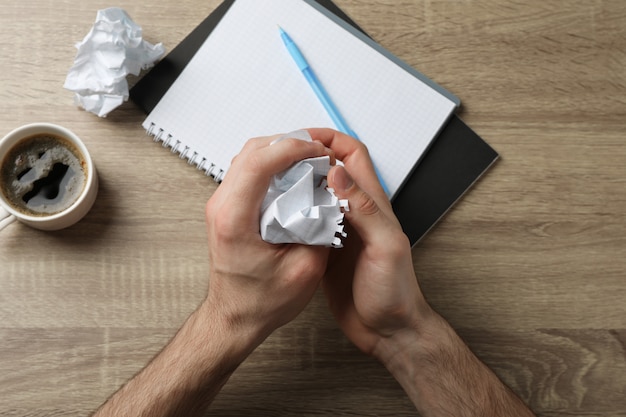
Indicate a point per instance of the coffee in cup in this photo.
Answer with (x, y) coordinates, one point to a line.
(47, 178)
(42, 175)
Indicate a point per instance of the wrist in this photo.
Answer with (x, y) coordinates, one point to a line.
(442, 376)
(409, 345)
(238, 336)
(417, 356)
(208, 348)
(188, 373)
(414, 355)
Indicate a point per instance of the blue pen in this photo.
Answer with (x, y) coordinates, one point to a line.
(321, 94)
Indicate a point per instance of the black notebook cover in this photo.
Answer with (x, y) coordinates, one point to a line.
(454, 161)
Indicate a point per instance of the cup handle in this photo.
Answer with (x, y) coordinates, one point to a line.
(6, 218)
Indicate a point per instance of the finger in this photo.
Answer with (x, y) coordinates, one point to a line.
(344, 146)
(355, 155)
(248, 178)
(330, 153)
(253, 144)
(372, 220)
(270, 160)
(258, 142)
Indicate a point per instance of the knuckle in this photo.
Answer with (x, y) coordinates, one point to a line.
(292, 145)
(210, 206)
(305, 270)
(252, 143)
(221, 226)
(364, 204)
(398, 246)
(295, 146)
(361, 149)
(224, 229)
(254, 162)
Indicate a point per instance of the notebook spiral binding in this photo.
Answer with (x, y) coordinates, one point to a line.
(184, 152)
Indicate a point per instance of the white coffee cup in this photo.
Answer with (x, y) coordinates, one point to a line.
(78, 208)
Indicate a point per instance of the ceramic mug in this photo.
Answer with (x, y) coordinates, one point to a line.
(47, 177)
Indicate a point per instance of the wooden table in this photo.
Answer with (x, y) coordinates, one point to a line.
(528, 266)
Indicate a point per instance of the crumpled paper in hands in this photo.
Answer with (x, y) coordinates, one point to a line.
(112, 49)
(299, 207)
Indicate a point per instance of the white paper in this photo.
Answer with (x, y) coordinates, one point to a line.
(112, 49)
(299, 207)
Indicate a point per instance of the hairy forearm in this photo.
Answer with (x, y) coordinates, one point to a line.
(187, 374)
(443, 377)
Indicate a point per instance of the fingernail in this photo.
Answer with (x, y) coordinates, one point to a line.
(343, 181)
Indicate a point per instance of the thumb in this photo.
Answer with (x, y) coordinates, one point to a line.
(365, 215)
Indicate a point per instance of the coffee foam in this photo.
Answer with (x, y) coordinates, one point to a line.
(34, 159)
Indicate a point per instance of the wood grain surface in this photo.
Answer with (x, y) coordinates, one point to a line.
(529, 266)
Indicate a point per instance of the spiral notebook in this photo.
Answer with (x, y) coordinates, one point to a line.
(455, 160)
(243, 83)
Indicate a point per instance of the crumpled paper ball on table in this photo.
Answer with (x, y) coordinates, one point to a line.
(111, 50)
(299, 207)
